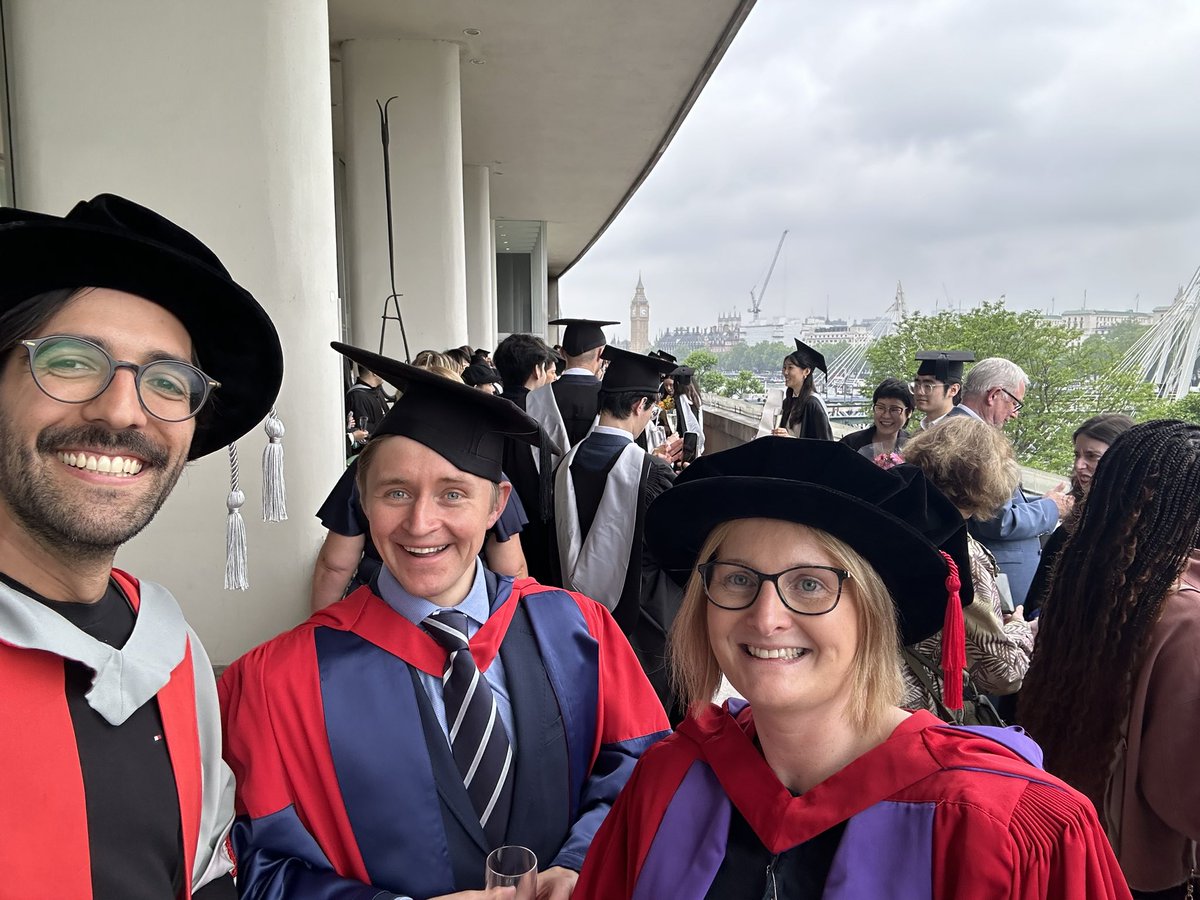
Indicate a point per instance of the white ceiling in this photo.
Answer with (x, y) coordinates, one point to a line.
(574, 101)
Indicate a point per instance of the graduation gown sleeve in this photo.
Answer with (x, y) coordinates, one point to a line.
(278, 858)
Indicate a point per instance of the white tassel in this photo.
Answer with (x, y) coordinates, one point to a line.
(236, 566)
(274, 493)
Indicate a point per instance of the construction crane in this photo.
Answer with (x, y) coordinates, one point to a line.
(757, 299)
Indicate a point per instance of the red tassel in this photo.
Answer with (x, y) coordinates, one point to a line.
(954, 640)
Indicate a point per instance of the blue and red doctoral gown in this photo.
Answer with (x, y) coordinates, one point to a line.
(935, 812)
(345, 778)
(44, 845)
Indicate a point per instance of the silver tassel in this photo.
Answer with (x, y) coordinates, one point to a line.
(236, 569)
(274, 493)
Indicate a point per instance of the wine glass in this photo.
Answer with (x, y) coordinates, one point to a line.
(511, 874)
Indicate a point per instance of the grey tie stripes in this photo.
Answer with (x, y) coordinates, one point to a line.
(477, 736)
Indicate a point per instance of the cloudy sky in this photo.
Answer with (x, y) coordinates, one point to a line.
(1038, 149)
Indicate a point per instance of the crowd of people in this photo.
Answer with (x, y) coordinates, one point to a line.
(534, 584)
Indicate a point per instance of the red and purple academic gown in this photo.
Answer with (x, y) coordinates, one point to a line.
(935, 812)
(346, 780)
(44, 843)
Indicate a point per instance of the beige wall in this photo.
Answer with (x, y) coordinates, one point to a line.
(215, 113)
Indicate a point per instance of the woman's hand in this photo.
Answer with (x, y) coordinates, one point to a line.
(781, 432)
(1017, 615)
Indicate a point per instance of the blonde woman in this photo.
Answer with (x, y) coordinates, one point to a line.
(799, 592)
(973, 464)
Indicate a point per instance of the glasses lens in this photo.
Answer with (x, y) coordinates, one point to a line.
(71, 370)
(172, 391)
(730, 586)
(809, 589)
(923, 387)
(884, 410)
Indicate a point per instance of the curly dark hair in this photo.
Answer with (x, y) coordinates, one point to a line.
(1139, 525)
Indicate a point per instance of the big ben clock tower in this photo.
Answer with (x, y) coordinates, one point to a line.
(639, 320)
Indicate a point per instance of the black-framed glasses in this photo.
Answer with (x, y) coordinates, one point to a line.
(807, 590)
(75, 370)
(894, 410)
(926, 387)
(1017, 404)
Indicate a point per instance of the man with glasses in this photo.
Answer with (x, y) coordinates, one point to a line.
(938, 383)
(994, 392)
(117, 329)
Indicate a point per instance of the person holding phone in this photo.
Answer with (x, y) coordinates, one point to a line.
(601, 491)
(689, 416)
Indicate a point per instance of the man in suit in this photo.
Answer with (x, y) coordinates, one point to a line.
(994, 391)
(389, 743)
(567, 408)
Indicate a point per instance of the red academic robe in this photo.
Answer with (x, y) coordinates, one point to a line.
(934, 812)
(44, 847)
(343, 782)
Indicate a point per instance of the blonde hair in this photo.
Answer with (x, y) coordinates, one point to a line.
(876, 682)
(969, 461)
(427, 358)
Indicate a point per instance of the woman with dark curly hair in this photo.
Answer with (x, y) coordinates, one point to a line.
(1113, 691)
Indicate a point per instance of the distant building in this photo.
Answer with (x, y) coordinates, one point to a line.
(1102, 321)
(639, 319)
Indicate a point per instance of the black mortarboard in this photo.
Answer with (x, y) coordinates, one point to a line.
(582, 335)
(632, 372)
(465, 426)
(663, 354)
(944, 365)
(818, 359)
(480, 373)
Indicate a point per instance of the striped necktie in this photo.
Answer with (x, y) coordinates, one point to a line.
(477, 736)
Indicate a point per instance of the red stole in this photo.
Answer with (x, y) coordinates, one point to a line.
(44, 848)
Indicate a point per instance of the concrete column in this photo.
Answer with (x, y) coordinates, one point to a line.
(481, 290)
(217, 115)
(427, 192)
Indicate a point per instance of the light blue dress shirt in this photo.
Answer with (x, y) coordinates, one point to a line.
(476, 607)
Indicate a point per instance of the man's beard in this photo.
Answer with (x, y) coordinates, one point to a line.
(81, 523)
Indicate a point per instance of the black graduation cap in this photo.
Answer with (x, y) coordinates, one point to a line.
(944, 365)
(817, 358)
(632, 372)
(893, 518)
(480, 373)
(664, 355)
(582, 335)
(465, 426)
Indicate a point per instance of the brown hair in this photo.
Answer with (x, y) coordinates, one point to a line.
(875, 673)
(969, 461)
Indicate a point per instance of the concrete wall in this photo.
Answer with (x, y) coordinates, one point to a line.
(217, 115)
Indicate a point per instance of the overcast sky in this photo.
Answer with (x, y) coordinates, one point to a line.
(1032, 148)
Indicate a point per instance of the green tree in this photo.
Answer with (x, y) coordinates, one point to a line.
(1187, 409)
(745, 382)
(708, 376)
(1070, 380)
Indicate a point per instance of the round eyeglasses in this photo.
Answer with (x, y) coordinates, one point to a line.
(807, 590)
(74, 370)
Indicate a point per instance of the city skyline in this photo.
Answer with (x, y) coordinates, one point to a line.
(1039, 152)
